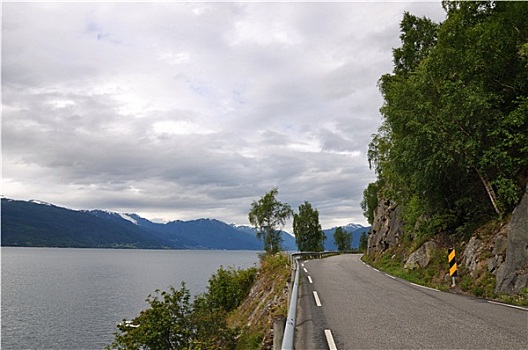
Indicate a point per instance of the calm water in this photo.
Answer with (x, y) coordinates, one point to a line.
(73, 298)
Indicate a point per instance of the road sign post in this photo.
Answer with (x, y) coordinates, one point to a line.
(452, 265)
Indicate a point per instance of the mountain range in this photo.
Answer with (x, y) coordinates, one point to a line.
(39, 224)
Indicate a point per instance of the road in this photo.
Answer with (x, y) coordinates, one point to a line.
(362, 308)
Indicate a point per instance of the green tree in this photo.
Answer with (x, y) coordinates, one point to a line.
(172, 322)
(165, 325)
(370, 201)
(228, 287)
(268, 216)
(363, 242)
(454, 132)
(342, 239)
(308, 233)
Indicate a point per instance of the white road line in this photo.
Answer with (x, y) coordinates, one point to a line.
(417, 285)
(375, 269)
(302, 264)
(390, 276)
(330, 340)
(310, 279)
(305, 269)
(508, 305)
(316, 297)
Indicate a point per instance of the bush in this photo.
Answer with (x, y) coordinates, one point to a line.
(173, 322)
(228, 287)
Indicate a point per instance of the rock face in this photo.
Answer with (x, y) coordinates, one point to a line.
(421, 257)
(512, 275)
(386, 230)
(471, 254)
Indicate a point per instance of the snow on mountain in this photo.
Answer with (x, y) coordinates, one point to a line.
(128, 217)
(353, 226)
(36, 201)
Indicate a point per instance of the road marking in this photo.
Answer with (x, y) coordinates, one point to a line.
(305, 269)
(508, 305)
(310, 279)
(375, 269)
(417, 285)
(302, 264)
(390, 276)
(316, 297)
(330, 339)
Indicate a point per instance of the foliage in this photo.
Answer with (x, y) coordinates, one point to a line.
(453, 144)
(268, 215)
(250, 341)
(173, 322)
(342, 239)
(370, 200)
(164, 325)
(309, 235)
(228, 287)
(363, 242)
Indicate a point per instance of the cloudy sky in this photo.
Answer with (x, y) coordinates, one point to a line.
(187, 110)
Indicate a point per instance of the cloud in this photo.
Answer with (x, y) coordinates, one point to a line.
(188, 110)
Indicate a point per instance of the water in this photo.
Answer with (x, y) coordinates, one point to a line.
(58, 298)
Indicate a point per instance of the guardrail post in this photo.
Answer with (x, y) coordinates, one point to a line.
(279, 324)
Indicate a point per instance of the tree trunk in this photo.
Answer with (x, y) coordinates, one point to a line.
(491, 193)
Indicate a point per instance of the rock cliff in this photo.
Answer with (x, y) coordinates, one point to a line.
(512, 275)
(386, 230)
(497, 249)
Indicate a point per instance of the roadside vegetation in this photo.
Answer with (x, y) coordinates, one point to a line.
(452, 151)
(235, 312)
(480, 283)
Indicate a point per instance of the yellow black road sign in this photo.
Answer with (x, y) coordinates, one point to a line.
(452, 262)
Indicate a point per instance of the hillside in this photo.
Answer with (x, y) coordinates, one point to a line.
(451, 156)
(39, 224)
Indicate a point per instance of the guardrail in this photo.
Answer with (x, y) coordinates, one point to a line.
(289, 330)
(313, 255)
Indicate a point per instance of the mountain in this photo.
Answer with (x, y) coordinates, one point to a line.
(355, 229)
(288, 243)
(40, 224)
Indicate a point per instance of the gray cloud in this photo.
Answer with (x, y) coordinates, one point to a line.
(188, 110)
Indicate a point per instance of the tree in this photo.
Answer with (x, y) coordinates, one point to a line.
(165, 325)
(342, 239)
(363, 242)
(453, 139)
(308, 233)
(370, 200)
(268, 216)
(172, 322)
(228, 287)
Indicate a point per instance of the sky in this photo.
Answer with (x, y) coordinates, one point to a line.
(187, 110)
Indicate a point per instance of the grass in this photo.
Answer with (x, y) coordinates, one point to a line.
(480, 283)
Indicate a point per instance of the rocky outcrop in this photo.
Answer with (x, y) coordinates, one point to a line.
(471, 256)
(421, 257)
(386, 230)
(512, 275)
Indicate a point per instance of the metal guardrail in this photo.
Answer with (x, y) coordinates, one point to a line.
(313, 255)
(289, 330)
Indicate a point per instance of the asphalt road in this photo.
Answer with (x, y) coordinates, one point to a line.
(362, 308)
